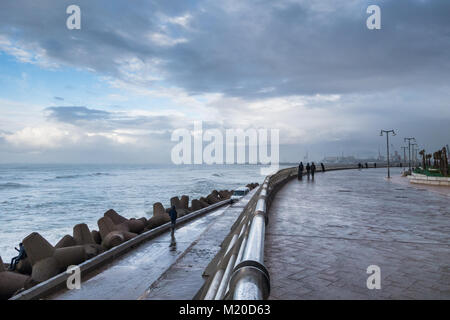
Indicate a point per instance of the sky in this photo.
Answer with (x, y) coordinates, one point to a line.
(115, 90)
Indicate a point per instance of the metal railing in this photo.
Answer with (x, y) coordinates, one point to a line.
(238, 272)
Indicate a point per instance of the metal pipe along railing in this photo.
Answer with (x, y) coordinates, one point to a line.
(238, 269)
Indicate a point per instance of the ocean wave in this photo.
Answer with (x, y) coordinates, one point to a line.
(217, 174)
(74, 176)
(12, 185)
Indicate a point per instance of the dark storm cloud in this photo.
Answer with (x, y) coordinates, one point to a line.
(248, 48)
(109, 121)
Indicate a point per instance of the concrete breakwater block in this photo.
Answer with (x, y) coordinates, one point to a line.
(225, 194)
(196, 205)
(175, 201)
(132, 225)
(37, 248)
(10, 282)
(47, 261)
(120, 233)
(204, 202)
(70, 256)
(135, 226)
(184, 202)
(160, 216)
(82, 235)
(143, 219)
(66, 241)
(212, 198)
(182, 212)
(45, 269)
(96, 236)
(24, 266)
(252, 185)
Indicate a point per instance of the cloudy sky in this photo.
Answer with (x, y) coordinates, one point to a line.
(116, 89)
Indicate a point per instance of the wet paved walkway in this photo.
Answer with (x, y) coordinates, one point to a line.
(323, 235)
(128, 277)
(184, 278)
(154, 264)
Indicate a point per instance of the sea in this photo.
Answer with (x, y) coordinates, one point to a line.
(51, 199)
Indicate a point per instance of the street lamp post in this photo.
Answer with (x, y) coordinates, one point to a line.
(414, 153)
(409, 150)
(404, 153)
(387, 145)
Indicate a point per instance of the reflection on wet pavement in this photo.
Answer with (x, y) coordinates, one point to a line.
(130, 275)
(323, 234)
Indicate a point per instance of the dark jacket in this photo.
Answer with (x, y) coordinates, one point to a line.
(173, 214)
(308, 168)
(313, 168)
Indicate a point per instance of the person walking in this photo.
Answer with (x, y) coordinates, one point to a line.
(173, 219)
(313, 170)
(300, 171)
(322, 166)
(308, 169)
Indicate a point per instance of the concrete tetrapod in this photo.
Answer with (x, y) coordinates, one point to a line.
(184, 202)
(213, 198)
(10, 282)
(66, 241)
(83, 237)
(112, 235)
(132, 225)
(96, 236)
(175, 201)
(204, 202)
(159, 216)
(196, 205)
(48, 261)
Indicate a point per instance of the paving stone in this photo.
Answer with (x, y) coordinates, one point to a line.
(319, 241)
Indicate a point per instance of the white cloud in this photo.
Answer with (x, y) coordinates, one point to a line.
(164, 40)
(45, 137)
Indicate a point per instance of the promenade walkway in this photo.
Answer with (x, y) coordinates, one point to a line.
(154, 267)
(323, 234)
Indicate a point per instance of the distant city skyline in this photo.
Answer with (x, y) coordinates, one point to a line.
(113, 91)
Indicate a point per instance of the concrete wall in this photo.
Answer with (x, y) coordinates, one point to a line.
(423, 179)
